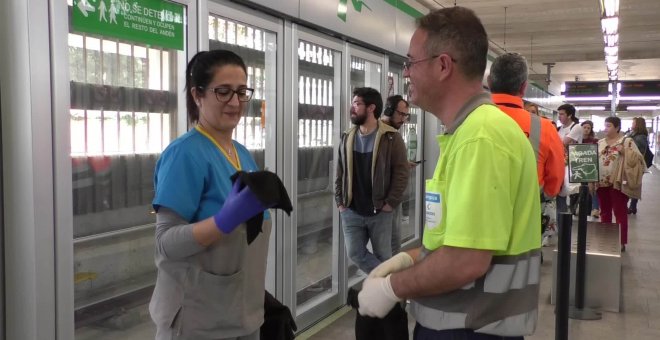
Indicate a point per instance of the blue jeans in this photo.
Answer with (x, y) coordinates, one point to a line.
(359, 230)
(594, 202)
(423, 333)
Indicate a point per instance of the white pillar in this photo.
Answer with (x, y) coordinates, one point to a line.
(27, 170)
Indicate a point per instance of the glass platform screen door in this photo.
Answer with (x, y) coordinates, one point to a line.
(314, 252)
(126, 104)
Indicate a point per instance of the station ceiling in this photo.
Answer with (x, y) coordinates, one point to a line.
(568, 34)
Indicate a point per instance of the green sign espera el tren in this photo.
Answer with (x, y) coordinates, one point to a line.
(151, 22)
(583, 163)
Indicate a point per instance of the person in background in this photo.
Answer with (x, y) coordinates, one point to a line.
(372, 174)
(611, 152)
(589, 137)
(508, 82)
(570, 133)
(395, 114)
(532, 108)
(481, 203)
(641, 137)
(396, 111)
(210, 282)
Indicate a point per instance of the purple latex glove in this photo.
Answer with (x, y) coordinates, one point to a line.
(240, 206)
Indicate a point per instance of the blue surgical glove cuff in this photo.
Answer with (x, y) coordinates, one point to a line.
(240, 205)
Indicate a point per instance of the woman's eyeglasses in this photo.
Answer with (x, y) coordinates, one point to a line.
(224, 94)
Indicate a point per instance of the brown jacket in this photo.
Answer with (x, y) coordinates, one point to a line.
(630, 170)
(389, 168)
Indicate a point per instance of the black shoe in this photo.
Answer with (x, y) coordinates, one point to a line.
(623, 248)
(632, 211)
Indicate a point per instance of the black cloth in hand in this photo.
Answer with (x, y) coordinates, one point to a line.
(270, 190)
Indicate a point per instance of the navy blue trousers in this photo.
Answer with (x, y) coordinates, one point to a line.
(423, 333)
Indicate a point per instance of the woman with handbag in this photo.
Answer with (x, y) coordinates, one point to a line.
(640, 135)
(619, 165)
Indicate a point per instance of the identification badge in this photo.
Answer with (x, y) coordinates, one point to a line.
(433, 210)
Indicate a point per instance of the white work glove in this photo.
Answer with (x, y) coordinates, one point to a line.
(395, 264)
(377, 297)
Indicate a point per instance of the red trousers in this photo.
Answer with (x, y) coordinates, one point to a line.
(610, 200)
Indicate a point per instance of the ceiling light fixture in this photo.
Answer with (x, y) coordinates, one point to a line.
(643, 107)
(591, 108)
(586, 99)
(611, 50)
(611, 40)
(609, 23)
(639, 98)
(609, 8)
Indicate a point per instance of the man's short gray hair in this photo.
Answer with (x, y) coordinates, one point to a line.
(459, 32)
(507, 74)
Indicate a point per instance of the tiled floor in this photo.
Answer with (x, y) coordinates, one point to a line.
(639, 318)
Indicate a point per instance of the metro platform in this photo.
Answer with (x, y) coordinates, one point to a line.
(639, 317)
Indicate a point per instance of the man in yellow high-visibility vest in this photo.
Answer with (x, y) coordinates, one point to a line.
(477, 274)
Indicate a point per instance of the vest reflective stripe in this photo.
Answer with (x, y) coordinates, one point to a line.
(535, 138)
(535, 134)
(516, 325)
(502, 302)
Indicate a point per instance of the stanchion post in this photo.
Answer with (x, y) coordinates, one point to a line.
(580, 312)
(580, 261)
(563, 275)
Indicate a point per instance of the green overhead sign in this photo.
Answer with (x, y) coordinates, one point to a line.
(342, 8)
(582, 163)
(151, 22)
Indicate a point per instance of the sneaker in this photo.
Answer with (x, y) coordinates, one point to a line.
(595, 213)
(546, 241)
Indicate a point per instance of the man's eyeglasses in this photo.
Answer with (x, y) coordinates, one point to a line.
(405, 115)
(224, 94)
(408, 64)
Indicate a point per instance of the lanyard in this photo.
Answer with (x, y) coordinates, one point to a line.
(237, 164)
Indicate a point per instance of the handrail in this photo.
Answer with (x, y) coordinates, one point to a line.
(113, 233)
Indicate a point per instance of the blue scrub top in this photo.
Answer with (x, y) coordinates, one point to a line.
(192, 176)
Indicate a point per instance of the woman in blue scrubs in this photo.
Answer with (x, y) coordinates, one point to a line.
(210, 282)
